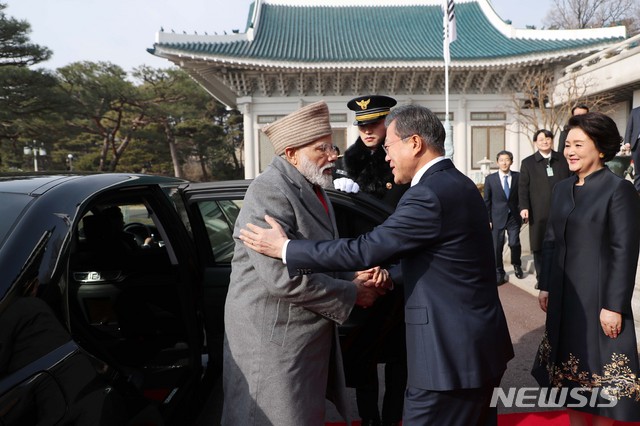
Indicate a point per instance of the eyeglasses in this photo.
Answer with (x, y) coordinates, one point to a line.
(385, 146)
(327, 149)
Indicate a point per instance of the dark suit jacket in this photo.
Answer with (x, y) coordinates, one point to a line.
(633, 128)
(457, 336)
(534, 191)
(631, 137)
(497, 204)
(562, 139)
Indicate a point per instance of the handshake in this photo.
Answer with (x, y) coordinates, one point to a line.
(371, 284)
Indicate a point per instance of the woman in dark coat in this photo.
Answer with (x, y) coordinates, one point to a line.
(590, 258)
(538, 174)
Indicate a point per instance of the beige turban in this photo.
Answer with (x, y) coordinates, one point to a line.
(299, 128)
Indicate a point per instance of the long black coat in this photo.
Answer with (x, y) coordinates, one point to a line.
(590, 260)
(534, 191)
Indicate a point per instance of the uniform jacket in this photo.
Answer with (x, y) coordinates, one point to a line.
(534, 191)
(280, 331)
(457, 336)
(379, 336)
(371, 172)
(498, 206)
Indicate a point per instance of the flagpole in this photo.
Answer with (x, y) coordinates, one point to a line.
(448, 141)
(448, 21)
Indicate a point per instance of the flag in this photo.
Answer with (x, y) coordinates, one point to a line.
(449, 28)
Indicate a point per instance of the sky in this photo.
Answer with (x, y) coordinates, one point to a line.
(120, 31)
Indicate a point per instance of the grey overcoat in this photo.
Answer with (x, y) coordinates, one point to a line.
(281, 353)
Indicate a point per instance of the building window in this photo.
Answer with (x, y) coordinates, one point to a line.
(443, 115)
(340, 138)
(486, 142)
(266, 119)
(266, 151)
(270, 118)
(265, 148)
(488, 116)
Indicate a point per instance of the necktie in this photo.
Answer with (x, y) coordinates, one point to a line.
(506, 185)
(318, 191)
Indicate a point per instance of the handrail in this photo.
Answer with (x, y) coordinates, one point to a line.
(628, 45)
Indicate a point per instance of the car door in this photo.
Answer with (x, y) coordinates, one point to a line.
(95, 330)
(131, 301)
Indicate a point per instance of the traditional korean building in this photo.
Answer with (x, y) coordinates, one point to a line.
(294, 52)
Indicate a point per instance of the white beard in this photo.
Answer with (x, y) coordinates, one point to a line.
(314, 174)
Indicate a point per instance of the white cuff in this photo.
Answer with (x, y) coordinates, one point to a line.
(283, 255)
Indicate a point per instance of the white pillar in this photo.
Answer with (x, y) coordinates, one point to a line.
(250, 140)
(461, 147)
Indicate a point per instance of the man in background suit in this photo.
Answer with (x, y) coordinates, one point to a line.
(280, 352)
(539, 173)
(502, 205)
(576, 110)
(458, 343)
(631, 137)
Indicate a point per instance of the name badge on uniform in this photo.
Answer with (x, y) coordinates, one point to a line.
(549, 171)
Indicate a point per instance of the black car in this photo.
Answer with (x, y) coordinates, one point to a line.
(112, 289)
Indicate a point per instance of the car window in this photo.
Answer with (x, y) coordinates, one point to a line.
(137, 224)
(219, 218)
(173, 194)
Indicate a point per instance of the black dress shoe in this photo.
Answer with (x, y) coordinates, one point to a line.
(518, 270)
(502, 279)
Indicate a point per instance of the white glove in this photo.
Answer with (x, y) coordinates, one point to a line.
(346, 185)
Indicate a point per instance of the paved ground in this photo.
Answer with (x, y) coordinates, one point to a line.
(526, 322)
(526, 325)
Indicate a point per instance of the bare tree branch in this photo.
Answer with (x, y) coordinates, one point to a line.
(578, 14)
(538, 107)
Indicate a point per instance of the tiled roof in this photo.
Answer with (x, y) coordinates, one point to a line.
(338, 34)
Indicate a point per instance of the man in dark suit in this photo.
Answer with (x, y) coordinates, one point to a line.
(539, 173)
(458, 343)
(502, 206)
(576, 110)
(631, 137)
